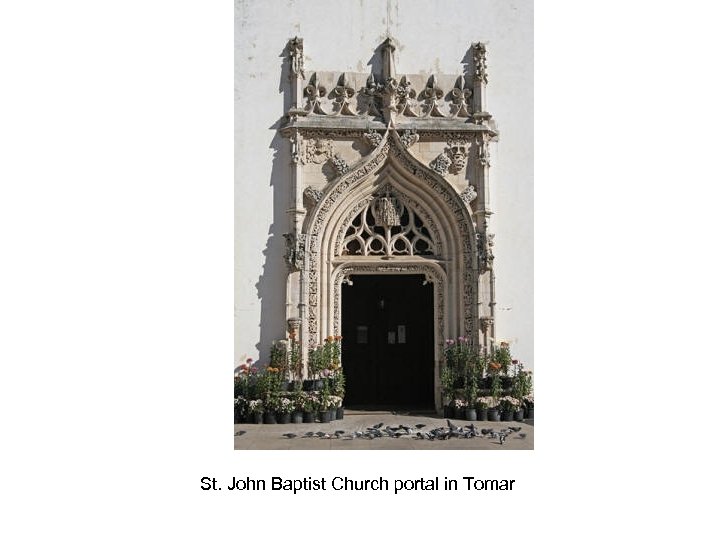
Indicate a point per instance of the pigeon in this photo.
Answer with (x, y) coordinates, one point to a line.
(309, 434)
(485, 431)
(451, 425)
(241, 432)
(378, 426)
(522, 435)
(289, 435)
(320, 434)
(420, 426)
(515, 429)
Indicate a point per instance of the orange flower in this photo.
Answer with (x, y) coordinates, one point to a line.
(338, 338)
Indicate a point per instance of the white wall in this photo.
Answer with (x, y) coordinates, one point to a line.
(433, 36)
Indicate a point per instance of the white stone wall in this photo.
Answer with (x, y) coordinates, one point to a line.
(433, 36)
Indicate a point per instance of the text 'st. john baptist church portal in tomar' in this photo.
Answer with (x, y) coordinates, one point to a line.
(387, 241)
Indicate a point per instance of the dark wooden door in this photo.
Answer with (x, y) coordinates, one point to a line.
(388, 341)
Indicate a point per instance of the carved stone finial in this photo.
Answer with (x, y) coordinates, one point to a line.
(293, 324)
(295, 48)
(342, 94)
(388, 59)
(369, 97)
(460, 96)
(480, 62)
(431, 95)
(485, 324)
(314, 92)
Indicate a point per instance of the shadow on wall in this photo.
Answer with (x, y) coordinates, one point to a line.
(272, 283)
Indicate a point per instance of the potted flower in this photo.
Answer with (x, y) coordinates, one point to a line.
(447, 379)
(298, 401)
(459, 408)
(240, 408)
(338, 389)
(324, 414)
(508, 407)
(272, 405)
(285, 408)
(483, 404)
(529, 402)
(311, 404)
(255, 409)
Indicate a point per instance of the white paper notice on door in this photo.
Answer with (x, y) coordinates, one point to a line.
(391, 338)
(401, 333)
(362, 334)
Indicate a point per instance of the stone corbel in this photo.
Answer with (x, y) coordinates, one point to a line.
(294, 251)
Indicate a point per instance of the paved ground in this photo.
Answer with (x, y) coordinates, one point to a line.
(270, 437)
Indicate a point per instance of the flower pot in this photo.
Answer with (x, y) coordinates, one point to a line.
(333, 414)
(296, 417)
(529, 413)
(324, 416)
(308, 385)
(340, 413)
(318, 384)
(283, 418)
(518, 415)
(269, 417)
(239, 416)
(460, 414)
(482, 415)
(284, 385)
(493, 415)
(257, 417)
(447, 411)
(506, 416)
(308, 417)
(470, 415)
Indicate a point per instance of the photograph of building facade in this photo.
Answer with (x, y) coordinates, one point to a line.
(381, 228)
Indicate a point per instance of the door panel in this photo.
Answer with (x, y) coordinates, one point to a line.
(388, 341)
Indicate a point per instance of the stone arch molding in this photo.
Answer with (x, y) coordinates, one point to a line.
(445, 214)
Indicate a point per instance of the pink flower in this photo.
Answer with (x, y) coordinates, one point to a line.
(514, 361)
(449, 342)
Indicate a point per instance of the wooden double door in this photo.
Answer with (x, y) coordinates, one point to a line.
(388, 342)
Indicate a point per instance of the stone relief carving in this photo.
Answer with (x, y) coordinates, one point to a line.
(480, 62)
(441, 164)
(460, 96)
(484, 151)
(342, 94)
(457, 151)
(373, 138)
(294, 251)
(295, 49)
(318, 150)
(314, 92)
(485, 254)
(341, 166)
(313, 194)
(468, 194)
(409, 137)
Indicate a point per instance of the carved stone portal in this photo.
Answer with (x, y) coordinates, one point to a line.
(391, 208)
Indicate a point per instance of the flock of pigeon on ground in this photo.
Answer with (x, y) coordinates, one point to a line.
(436, 434)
